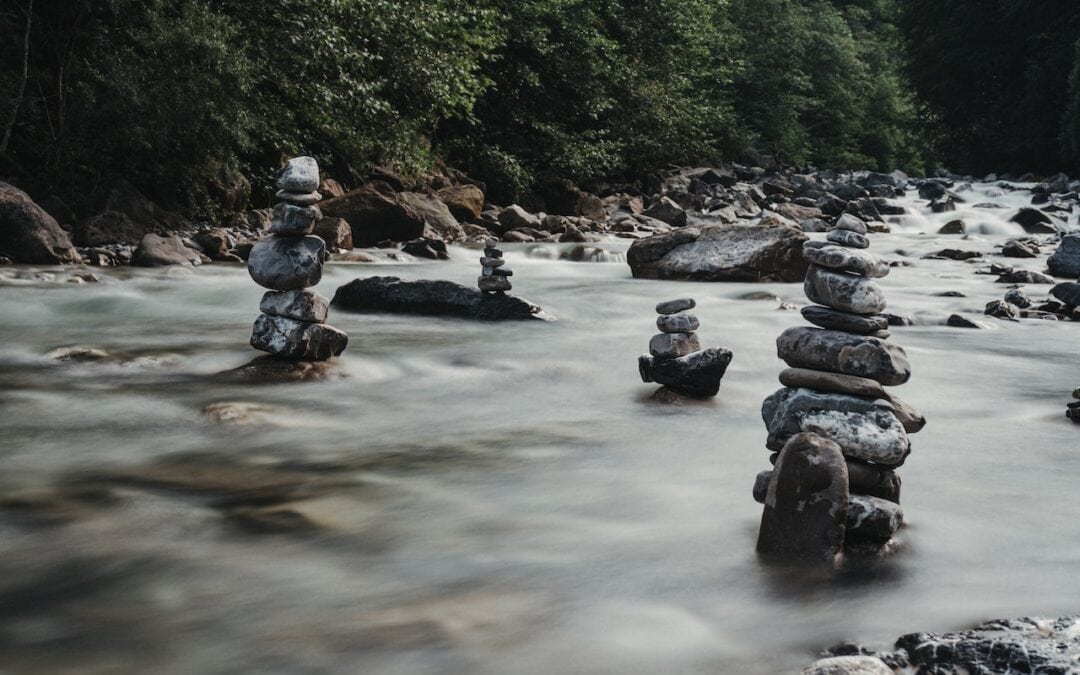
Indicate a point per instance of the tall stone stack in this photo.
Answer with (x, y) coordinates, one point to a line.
(838, 435)
(292, 324)
(494, 276)
(676, 359)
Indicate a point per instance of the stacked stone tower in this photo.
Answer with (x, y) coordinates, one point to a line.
(676, 359)
(494, 276)
(288, 262)
(839, 436)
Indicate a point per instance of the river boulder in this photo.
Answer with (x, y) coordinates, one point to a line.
(391, 295)
(1065, 261)
(30, 235)
(375, 216)
(466, 202)
(721, 253)
(157, 251)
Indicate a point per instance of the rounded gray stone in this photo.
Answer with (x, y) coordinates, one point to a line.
(300, 174)
(286, 263)
(845, 292)
(675, 306)
(848, 222)
(291, 220)
(677, 323)
(848, 238)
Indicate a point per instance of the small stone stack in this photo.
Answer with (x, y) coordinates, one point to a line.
(293, 320)
(675, 357)
(494, 277)
(1073, 409)
(838, 434)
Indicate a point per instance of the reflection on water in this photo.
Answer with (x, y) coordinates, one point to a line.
(495, 497)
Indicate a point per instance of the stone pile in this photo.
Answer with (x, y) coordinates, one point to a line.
(838, 434)
(675, 357)
(494, 277)
(1073, 409)
(289, 261)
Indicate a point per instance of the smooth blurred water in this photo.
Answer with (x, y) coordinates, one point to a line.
(511, 500)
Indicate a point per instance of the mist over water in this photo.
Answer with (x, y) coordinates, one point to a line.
(505, 497)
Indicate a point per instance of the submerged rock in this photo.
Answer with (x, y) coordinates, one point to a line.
(272, 370)
(432, 298)
(806, 503)
(720, 253)
(696, 374)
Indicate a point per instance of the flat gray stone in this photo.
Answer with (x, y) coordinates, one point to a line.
(675, 306)
(798, 378)
(851, 223)
(432, 298)
(864, 428)
(677, 323)
(300, 174)
(673, 345)
(287, 263)
(291, 220)
(844, 259)
(302, 305)
(848, 238)
(834, 319)
(845, 292)
(298, 198)
(806, 503)
(838, 352)
(297, 340)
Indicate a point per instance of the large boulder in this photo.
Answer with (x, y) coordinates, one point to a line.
(432, 298)
(721, 253)
(437, 217)
(375, 216)
(157, 251)
(335, 232)
(30, 235)
(1035, 221)
(1065, 262)
(466, 202)
(562, 198)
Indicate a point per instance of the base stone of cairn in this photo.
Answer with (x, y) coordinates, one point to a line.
(837, 434)
(675, 357)
(292, 324)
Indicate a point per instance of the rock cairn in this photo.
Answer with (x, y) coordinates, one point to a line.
(289, 261)
(837, 433)
(494, 277)
(1073, 409)
(676, 359)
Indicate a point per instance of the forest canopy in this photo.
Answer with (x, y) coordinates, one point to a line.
(173, 95)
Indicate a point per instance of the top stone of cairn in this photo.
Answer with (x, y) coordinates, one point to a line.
(675, 306)
(301, 175)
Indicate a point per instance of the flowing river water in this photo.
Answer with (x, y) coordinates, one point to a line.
(505, 497)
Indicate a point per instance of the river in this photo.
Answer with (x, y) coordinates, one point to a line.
(506, 497)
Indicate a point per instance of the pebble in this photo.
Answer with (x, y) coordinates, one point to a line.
(848, 238)
(673, 345)
(675, 306)
(292, 220)
(845, 321)
(298, 198)
(677, 323)
(845, 292)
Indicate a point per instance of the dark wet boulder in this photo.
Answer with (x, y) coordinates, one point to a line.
(433, 298)
(806, 503)
(1035, 221)
(1068, 293)
(952, 227)
(1018, 248)
(697, 374)
(30, 235)
(1065, 261)
(1015, 276)
(720, 253)
(999, 309)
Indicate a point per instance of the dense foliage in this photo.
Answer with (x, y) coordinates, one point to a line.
(174, 95)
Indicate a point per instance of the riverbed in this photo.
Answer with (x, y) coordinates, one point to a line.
(506, 497)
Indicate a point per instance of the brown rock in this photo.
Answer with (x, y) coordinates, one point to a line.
(30, 235)
(466, 202)
(836, 382)
(375, 216)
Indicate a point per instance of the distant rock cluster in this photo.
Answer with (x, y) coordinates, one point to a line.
(676, 359)
(837, 433)
(292, 324)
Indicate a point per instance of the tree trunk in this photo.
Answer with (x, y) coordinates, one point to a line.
(22, 83)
